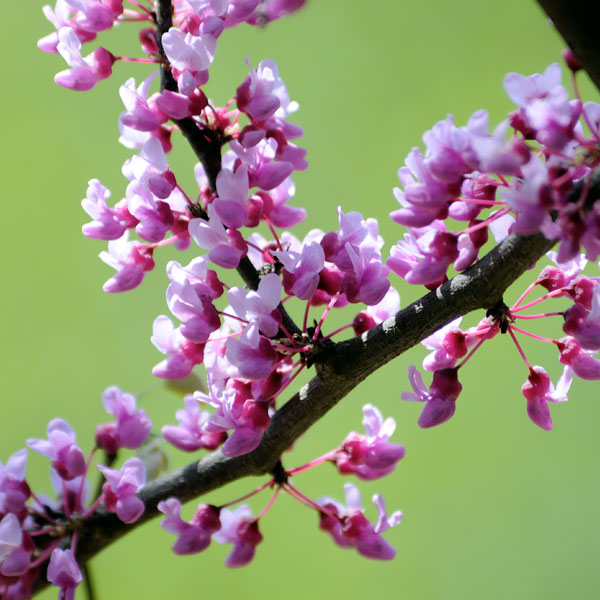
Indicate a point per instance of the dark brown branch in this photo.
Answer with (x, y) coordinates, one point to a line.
(577, 22)
(339, 370)
(205, 143)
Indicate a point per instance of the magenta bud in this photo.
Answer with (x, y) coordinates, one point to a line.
(571, 60)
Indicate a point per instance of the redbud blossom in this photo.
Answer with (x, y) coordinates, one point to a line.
(369, 456)
(131, 427)
(240, 528)
(119, 491)
(349, 528)
(440, 397)
(66, 456)
(63, 572)
(192, 537)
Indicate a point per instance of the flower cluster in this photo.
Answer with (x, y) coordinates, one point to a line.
(533, 174)
(34, 529)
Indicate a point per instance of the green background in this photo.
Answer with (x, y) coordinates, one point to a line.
(494, 507)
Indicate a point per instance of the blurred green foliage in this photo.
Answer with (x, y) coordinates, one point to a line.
(495, 508)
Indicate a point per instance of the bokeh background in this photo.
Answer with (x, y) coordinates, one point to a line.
(494, 507)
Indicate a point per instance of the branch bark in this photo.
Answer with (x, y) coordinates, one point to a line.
(577, 22)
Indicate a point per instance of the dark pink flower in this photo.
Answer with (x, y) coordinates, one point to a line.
(119, 491)
(66, 456)
(192, 537)
(349, 527)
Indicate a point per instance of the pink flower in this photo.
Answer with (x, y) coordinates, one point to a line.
(183, 354)
(63, 572)
(369, 456)
(130, 428)
(119, 491)
(240, 528)
(259, 306)
(150, 168)
(301, 274)
(16, 547)
(191, 433)
(440, 398)
(231, 203)
(237, 410)
(538, 390)
(258, 95)
(85, 72)
(190, 57)
(252, 354)
(350, 529)
(226, 248)
(14, 490)
(131, 260)
(107, 223)
(96, 15)
(66, 456)
(192, 537)
(139, 113)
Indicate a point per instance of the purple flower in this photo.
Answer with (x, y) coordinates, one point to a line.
(278, 212)
(301, 274)
(369, 456)
(60, 17)
(425, 197)
(96, 15)
(530, 199)
(226, 248)
(259, 306)
(204, 281)
(130, 428)
(231, 203)
(350, 529)
(190, 56)
(107, 223)
(66, 456)
(523, 90)
(582, 363)
(192, 537)
(240, 528)
(63, 572)
(237, 410)
(14, 490)
(259, 94)
(440, 398)
(150, 168)
(584, 325)
(199, 317)
(119, 491)
(538, 390)
(16, 547)
(131, 260)
(139, 114)
(367, 280)
(252, 354)
(85, 72)
(266, 167)
(183, 354)
(191, 433)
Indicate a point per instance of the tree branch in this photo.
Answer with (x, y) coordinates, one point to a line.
(577, 22)
(340, 368)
